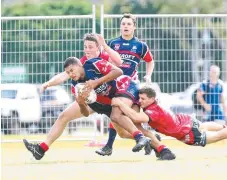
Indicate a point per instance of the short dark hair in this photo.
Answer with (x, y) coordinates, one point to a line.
(148, 91)
(71, 60)
(91, 37)
(129, 16)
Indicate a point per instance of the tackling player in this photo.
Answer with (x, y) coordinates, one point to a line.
(180, 126)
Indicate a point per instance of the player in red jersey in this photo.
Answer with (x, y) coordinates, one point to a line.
(180, 126)
(92, 46)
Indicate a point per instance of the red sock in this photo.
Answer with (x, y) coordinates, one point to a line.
(111, 126)
(160, 148)
(44, 146)
(136, 133)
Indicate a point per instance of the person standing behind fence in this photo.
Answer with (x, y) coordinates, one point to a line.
(211, 95)
(132, 51)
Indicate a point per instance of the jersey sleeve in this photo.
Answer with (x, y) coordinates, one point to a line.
(103, 66)
(153, 115)
(104, 56)
(83, 60)
(146, 53)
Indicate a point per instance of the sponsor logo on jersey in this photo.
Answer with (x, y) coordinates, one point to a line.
(127, 56)
(116, 47)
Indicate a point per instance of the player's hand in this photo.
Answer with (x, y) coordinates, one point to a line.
(91, 84)
(80, 98)
(116, 102)
(147, 79)
(101, 40)
(207, 107)
(43, 87)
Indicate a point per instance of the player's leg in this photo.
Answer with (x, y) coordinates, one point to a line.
(70, 113)
(114, 129)
(211, 126)
(212, 137)
(219, 121)
(119, 118)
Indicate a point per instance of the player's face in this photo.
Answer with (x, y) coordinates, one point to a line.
(214, 72)
(145, 101)
(91, 49)
(127, 27)
(74, 71)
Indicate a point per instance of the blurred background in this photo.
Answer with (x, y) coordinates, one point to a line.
(185, 39)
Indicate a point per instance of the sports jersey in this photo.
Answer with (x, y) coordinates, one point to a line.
(167, 123)
(213, 97)
(102, 55)
(96, 68)
(131, 52)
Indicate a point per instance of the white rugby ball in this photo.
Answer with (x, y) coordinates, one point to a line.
(92, 96)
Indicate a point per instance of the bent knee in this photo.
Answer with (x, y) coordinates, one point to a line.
(115, 117)
(63, 117)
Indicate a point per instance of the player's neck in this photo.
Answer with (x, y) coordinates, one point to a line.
(213, 80)
(127, 37)
(82, 74)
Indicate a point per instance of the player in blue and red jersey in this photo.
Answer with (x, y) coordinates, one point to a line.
(106, 80)
(133, 52)
(183, 127)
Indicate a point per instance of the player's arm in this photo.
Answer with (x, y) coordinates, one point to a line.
(136, 117)
(83, 106)
(201, 100)
(114, 57)
(55, 80)
(109, 71)
(148, 58)
(224, 105)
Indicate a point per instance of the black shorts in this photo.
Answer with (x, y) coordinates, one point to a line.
(195, 137)
(101, 108)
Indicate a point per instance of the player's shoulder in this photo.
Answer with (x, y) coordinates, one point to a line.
(114, 40)
(83, 59)
(136, 39)
(221, 82)
(104, 55)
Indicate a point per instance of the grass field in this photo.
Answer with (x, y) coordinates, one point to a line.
(73, 160)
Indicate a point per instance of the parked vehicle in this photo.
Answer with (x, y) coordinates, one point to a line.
(53, 101)
(20, 107)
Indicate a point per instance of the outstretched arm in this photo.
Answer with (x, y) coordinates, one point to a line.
(56, 80)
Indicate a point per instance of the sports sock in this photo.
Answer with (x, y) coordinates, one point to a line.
(137, 135)
(160, 148)
(44, 146)
(112, 136)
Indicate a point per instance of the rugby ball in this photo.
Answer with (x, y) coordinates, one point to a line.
(92, 96)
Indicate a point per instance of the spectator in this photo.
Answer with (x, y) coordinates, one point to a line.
(211, 95)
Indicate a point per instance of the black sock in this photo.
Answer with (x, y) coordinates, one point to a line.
(112, 136)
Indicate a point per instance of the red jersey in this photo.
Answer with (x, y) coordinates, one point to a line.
(167, 123)
(102, 55)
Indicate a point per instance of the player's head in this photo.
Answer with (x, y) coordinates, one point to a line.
(147, 96)
(214, 72)
(91, 46)
(128, 25)
(74, 68)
